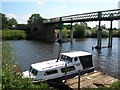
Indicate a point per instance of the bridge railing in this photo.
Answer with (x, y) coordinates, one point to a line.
(93, 16)
(111, 14)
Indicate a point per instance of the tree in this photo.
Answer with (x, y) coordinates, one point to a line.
(34, 18)
(4, 21)
(79, 31)
(12, 23)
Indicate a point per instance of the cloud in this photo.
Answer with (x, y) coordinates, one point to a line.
(87, 1)
(40, 2)
(19, 0)
(11, 15)
(62, 7)
(22, 19)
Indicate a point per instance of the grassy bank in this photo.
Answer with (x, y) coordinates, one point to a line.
(12, 75)
(13, 34)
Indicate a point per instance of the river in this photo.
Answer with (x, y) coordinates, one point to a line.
(107, 60)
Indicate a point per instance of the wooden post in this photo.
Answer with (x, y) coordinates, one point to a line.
(110, 36)
(71, 34)
(65, 72)
(78, 79)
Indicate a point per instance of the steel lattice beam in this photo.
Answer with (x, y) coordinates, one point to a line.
(107, 15)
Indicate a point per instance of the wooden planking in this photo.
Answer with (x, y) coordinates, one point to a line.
(91, 80)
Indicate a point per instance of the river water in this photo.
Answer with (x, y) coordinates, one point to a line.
(107, 60)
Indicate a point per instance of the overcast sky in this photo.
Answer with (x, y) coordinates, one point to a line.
(21, 10)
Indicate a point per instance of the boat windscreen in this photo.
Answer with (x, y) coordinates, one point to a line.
(69, 59)
(34, 72)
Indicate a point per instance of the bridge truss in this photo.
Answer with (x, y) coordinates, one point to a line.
(107, 15)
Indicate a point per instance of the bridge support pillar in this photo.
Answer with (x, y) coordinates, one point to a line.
(71, 34)
(99, 33)
(99, 37)
(110, 36)
(60, 33)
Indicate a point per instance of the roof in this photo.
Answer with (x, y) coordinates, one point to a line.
(47, 65)
(76, 53)
(52, 64)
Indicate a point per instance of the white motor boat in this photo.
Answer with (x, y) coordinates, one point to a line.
(55, 69)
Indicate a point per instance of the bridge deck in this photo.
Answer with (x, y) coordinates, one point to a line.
(93, 16)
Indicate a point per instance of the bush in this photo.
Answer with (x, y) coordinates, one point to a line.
(65, 33)
(88, 33)
(105, 33)
(13, 34)
(12, 75)
(79, 31)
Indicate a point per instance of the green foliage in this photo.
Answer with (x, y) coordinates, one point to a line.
(115, 85)
(12, 75)
(88, 33)
(79, 31)
(65, 33)
(6, 22)
(13, 34)
(12, 23)
(34, 18)
(105, 33)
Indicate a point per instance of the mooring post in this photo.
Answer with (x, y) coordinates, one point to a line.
(71, 34)
(78, 79)
(99, 33)
(65, 72)
(110, 36)
(60, 33)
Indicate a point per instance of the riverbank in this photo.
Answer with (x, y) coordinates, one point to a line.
(87, 33)
(21, 34)
(12, 74)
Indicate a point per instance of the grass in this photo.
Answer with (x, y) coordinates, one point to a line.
(12, 75)
(13, 34)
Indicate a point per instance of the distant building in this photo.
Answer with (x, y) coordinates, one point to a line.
(119, 20)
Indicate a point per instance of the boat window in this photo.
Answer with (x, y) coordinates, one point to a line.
(71, 68)
(75, 59)
(69, 59)
(51, 72)
(34, 71)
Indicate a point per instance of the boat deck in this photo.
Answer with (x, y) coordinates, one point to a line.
(91, 80)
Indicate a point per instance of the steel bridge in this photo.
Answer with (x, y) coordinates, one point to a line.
(108, 15)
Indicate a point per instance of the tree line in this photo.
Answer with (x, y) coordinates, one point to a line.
(80, 30)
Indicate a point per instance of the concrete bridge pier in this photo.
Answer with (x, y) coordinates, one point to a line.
(60, 33)
(110, 36)
(99, 37)
(99, 33)
(71, 34)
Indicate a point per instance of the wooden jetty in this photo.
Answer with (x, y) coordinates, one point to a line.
(91, 80)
